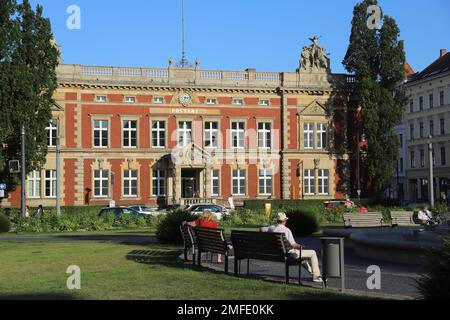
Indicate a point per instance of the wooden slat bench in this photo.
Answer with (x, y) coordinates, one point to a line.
(190, 243)
(403, 219)
(364, 220)
(263, 246)
(213, 241)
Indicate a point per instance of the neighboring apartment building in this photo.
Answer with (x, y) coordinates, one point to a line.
(164, 136)
(428, 115)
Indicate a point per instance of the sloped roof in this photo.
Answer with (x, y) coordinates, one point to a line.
(439, 66)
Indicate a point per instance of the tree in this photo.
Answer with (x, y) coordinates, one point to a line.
(377, 58)
(28, 60)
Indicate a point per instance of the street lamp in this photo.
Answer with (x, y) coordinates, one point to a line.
(431, 184)
(359, 139)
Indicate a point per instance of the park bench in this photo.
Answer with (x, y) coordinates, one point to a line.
(403, 218)
(189, 241)
(364, 220)
(263, 246)
(212, 241)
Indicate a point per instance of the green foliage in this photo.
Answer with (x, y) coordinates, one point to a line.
(435, 284)
(248, 218)
(28, 59)
(4, 223)
(377, 58)
(302, 223)
(282, 204)
(168, 229)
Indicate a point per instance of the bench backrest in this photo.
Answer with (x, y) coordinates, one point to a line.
(211, 240)
(259, 245)
(187, 233)
(402, 218)
(363, 220)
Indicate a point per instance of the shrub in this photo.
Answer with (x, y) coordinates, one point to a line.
(435, 284)
(168, 229)
(302, 223)
(247, 218)
(4, 223)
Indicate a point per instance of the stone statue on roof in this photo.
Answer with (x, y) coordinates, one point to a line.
(314, 58)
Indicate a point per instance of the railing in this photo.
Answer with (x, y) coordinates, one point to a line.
(191, 201)
(124, 72)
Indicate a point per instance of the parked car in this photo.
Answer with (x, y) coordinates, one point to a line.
(144, 210)
(118, 212)
(218, 210)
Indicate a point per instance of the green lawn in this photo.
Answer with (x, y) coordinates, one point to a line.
(113, 271)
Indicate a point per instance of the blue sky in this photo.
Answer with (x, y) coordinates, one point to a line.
(234, 34)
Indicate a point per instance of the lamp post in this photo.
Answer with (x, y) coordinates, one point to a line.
(430, 150)
(23, 197)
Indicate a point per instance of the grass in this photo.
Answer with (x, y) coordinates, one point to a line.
(118, 271)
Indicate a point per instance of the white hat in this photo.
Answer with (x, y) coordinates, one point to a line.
(282, 216)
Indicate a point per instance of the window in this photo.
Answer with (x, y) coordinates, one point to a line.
(100, 99)
(421, 104)
(52, 132)
(34, 185)
(264, 135)
(401, 140)
(443, 157)
(211, 135)
(130, 99)
(411, 105)
(412, 159)
(264, 102)
(431, 99)
(431, 128)
(265, 182)
(101, 183)
(158, 100)
(239, 182)
(422, 158)
(158, 134)
(238, 102)
(411, 132)
(211, 101)
(50, 183)
(308, 135)
(402, 168)
(101, 133)
(323, 180)
(130, 183)
(322, 129)
(159, 183)
(130, 133)
(441, 98)
(309, 183)
(215, 183)
(442, 126)
(421, 130)
(184, 133)
(238, 135)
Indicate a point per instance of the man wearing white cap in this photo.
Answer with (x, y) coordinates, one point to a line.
(306, 254)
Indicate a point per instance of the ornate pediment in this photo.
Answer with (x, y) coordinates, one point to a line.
(315, 108)
(191, 155)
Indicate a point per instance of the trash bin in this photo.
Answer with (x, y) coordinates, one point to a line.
(333, 260)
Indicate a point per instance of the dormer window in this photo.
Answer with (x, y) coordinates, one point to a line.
(101, 99)
(264, 102)
(158, 100)
(130, 99)
(211, 101)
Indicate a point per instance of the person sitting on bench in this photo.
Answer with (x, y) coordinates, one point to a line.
(306, 254)
(426, 217)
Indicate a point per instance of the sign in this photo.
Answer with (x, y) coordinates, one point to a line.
(185, 111)
(2, 186)
(2, 193)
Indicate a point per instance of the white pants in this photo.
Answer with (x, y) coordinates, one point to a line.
(312, 257)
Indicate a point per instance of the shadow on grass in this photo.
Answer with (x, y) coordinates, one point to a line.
(38, 296)
(126, 238)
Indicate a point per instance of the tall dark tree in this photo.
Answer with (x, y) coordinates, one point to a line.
(28, 59)
(377, 58)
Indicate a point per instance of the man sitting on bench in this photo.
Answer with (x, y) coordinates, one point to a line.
(306, 254)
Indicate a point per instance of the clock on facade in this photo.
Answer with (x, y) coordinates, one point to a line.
(185, 99)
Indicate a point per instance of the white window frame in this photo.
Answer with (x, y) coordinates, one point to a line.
(184, 133)
(238, 102)
(128, 180)
(34, 185)
(127, 132)
(211, 101)
(211, 135)
(239, 182)
(308, 135)
(159, 181)
(239, 134)
(130, 99)
(101, 99)
(52, 133)
(265, 182)
(264, 102)
(265, 135)
(158, 100)
(102, 132)
(160, 134)
(309, 182)
(52, 184)
(103, 182)
(215, 182)
(322, 136)
(323, 182)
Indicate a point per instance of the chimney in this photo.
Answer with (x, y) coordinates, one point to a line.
(442, 53)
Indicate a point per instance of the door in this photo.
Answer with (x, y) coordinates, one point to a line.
(189, 187)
